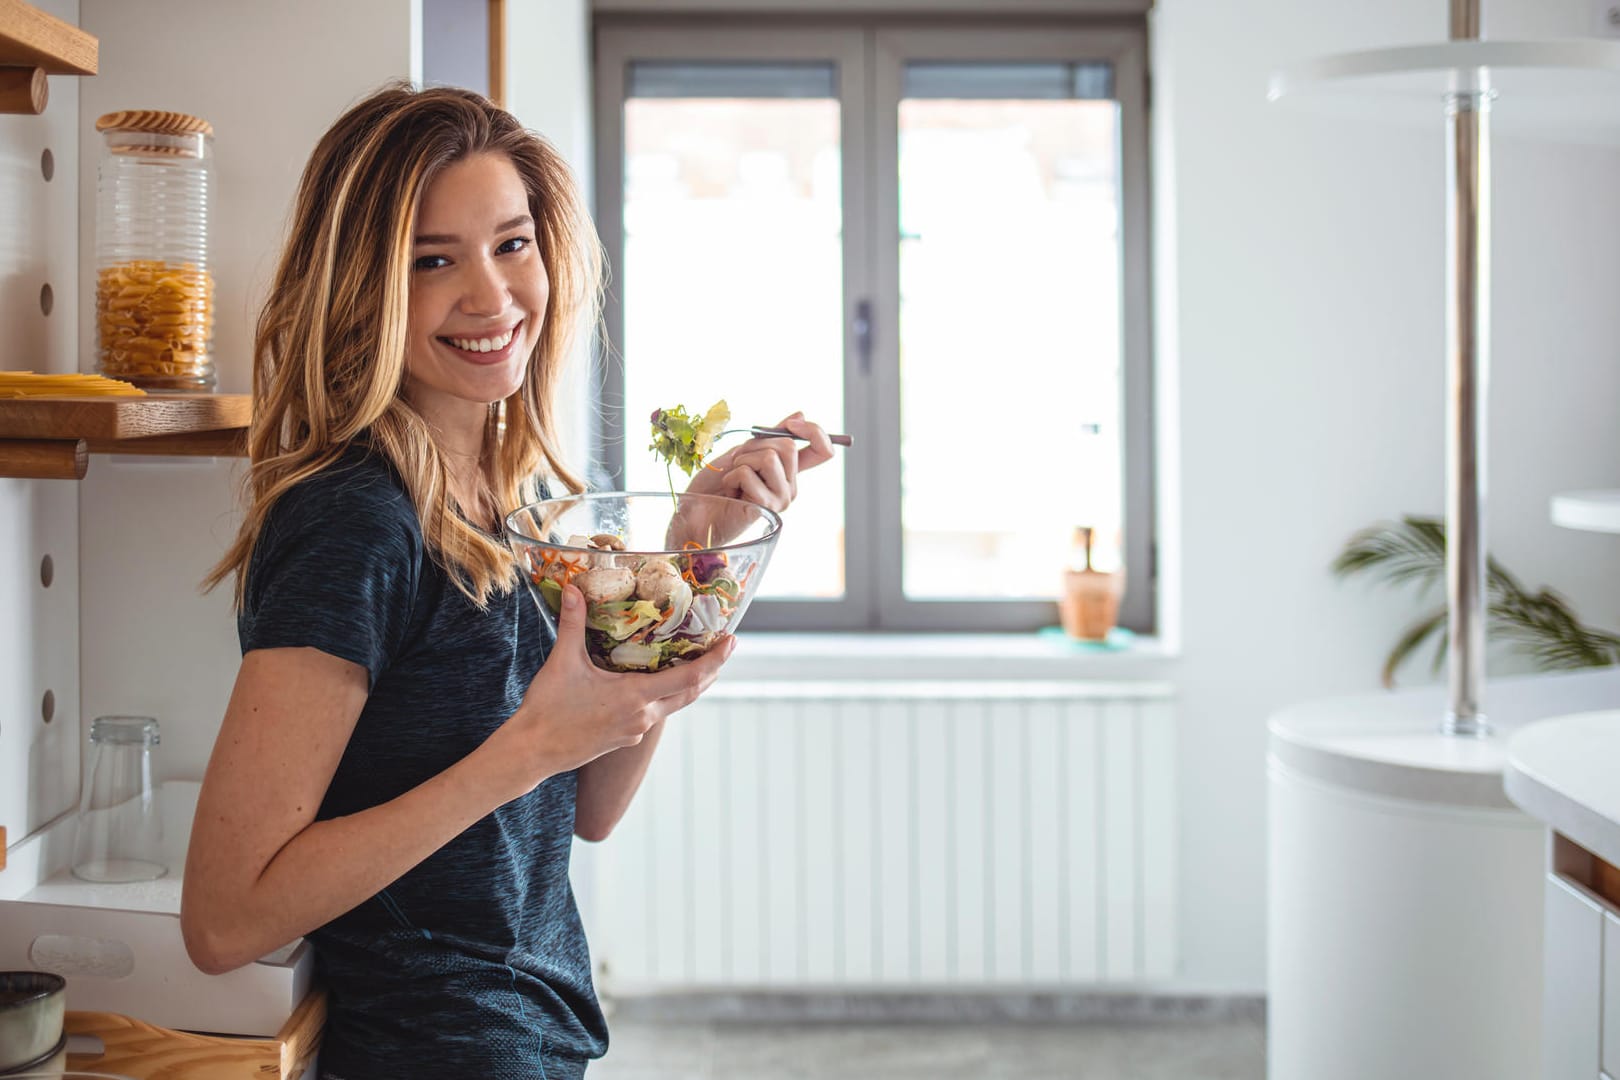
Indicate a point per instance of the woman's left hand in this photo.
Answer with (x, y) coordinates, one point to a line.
(765, 470)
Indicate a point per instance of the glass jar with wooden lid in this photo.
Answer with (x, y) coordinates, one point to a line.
(154, 292)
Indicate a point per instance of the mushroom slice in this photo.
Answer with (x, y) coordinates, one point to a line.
(656, 580)
(606, 584)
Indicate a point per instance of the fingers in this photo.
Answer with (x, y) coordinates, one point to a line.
(818, 448)
(575, 712)
(747, 483)
(685, 683)
(765, 470)
(571, 624)
(684, 677)
(778, 466)
(774, 464)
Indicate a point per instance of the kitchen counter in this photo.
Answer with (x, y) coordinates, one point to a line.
(1562, 771)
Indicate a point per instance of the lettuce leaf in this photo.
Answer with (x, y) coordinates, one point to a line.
(621, 618)
(685, 440)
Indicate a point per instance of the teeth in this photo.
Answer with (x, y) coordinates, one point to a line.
(483, 344)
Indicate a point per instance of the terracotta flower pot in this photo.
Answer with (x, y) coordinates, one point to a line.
(1089, 607)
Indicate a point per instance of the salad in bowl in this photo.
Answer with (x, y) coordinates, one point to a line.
(663, 578)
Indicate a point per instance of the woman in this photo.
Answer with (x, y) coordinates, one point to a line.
(397, 776)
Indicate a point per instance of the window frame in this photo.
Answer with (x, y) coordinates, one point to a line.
(870, 54)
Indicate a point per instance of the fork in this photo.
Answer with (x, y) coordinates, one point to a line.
(779, 433)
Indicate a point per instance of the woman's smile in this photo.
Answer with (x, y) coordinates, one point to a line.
(485, 348)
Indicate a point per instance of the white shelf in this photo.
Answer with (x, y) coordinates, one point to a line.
(1563, 90)
(1593, 511)
(1389, 744)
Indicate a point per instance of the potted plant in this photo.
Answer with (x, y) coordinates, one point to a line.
(1538, 624)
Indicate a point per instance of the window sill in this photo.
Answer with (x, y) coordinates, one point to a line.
(774, 655)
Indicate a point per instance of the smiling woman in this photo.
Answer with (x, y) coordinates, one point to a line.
(477, 301)
(409, 752)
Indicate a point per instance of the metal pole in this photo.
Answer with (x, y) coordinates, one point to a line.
(1468, 366)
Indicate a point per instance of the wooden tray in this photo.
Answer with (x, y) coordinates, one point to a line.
(147, 1052)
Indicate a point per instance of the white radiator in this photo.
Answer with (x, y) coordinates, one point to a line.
(889, 834)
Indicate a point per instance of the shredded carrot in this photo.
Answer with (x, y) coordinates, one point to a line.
(571, 565)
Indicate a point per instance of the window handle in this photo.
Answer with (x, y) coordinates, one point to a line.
(863, 335)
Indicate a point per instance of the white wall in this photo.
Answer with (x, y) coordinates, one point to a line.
(270, 78)
(1300, 314)
(39, 626)
(455, 43)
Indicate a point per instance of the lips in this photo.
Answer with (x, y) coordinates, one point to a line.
(486, 348)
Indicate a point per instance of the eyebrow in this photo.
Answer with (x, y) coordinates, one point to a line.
(446, 238)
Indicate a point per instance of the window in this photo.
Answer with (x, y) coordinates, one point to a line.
(933, 239)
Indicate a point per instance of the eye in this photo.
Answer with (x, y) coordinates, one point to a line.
(516, 244)
(430, 262)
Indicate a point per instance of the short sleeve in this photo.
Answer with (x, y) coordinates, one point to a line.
(335, 568)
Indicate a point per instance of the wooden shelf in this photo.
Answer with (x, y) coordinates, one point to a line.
(31, 38)
(147, 1052)
(49, 437)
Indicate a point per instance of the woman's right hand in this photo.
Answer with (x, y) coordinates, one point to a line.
(574, 712)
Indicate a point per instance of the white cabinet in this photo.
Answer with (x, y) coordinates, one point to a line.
(1572, 1002)
(1561, 771)
(1611, 997)
(1580, 1010)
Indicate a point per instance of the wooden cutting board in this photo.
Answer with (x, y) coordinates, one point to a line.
(146, 1052)
(116, 418)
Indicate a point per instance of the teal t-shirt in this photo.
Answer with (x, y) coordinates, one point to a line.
(474, 962)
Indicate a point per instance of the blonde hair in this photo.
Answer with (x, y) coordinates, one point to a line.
(329, 350)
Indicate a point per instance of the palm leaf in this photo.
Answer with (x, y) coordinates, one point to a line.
(1413, 550)
(1545, 627)
(1541, 625)
(1409, 642)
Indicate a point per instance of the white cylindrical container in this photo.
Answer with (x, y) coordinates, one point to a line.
(1405, 915)
(1406, 937)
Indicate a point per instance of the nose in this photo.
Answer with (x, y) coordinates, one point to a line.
(485, 291)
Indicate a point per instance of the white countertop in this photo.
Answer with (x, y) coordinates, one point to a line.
(1563, 771)
(1390, 744)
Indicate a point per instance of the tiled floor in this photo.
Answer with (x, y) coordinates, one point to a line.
(1196, 1049)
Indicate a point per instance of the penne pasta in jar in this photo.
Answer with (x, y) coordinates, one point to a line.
(154, 292)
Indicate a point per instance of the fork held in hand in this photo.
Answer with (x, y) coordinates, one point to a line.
(780, 433)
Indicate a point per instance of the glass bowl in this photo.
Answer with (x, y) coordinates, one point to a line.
(663, 577)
